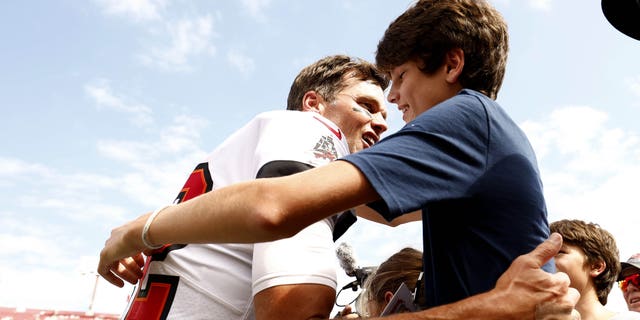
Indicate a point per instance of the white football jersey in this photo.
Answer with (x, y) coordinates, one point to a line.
(218, 281)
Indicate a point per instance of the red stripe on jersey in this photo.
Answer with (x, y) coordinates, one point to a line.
(154, 301)
(338, 133)
(151, 306)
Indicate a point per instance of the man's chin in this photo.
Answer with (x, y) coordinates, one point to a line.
(355, 149)
(635, 306)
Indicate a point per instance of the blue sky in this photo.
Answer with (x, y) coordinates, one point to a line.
(108, 104)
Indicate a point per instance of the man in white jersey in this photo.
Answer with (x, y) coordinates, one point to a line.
(292, 278)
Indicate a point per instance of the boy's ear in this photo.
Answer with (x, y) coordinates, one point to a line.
(311, 101)
(597, 268)
(454, 63)
(387, 296)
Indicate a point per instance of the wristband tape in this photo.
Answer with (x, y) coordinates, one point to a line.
(145, 230)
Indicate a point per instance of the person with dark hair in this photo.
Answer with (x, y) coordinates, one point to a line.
(629, 282)
(460, 160)
(589, 256)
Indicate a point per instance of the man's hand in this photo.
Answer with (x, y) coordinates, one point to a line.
(121, 258)
(526, 288)
(524, 291)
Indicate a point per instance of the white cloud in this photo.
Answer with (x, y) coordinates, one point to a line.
(160, 167)
(184, 134)
(154, 169)
(126, 151)
(152, 174)
(47, 191)
(256, 8)
(543, 5)
(102, 94)
(181, 137)
(138, 10)
(589, 169)
(242, 62)
(69, 213)
(580, 137)
(575, 127)
(10, 167)
(188, 38)
(28, 245)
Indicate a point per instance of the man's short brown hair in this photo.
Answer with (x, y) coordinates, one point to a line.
(328, 76)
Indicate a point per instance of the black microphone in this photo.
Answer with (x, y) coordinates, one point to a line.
(347, 259)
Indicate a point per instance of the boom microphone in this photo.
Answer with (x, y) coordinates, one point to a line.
(347, 259)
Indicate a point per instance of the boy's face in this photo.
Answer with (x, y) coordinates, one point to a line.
(572, 261)
(416, 92)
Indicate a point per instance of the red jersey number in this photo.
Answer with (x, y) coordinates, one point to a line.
(199, 182)
(154, 301)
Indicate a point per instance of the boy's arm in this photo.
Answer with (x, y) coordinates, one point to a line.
(255, 211)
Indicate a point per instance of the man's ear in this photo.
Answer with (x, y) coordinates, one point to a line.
(597, 268)
(312, 101)
(454, 63)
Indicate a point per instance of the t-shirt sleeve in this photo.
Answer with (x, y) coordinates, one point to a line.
(307, 257)
(435, 157)
(304, 258)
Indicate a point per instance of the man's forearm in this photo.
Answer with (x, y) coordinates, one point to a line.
(524, 291)
(483, 306)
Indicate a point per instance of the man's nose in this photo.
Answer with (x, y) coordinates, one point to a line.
(378, 123)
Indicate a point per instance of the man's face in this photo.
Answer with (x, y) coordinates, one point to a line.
(360, 112)
(632, 293)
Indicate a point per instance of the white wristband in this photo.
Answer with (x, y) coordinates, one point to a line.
(145, 230)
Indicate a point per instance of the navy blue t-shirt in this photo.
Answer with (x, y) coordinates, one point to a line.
(473, 173)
